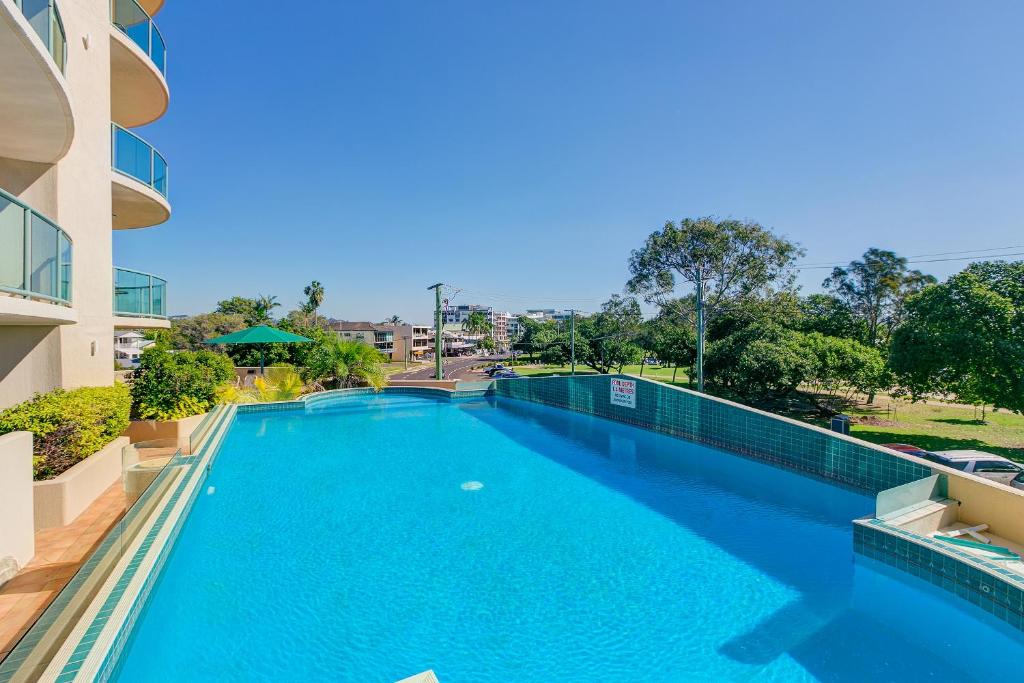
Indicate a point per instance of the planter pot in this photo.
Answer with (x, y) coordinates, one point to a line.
(171, 430)
(58, 501)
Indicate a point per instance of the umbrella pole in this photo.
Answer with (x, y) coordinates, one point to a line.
(263, 348)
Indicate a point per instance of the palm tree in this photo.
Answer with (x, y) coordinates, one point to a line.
(348, 363)
(264, 306)
(393, 320)
(476, 323)
(314, 292)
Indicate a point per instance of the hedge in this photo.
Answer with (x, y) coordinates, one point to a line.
(174, 385)
(69, 426)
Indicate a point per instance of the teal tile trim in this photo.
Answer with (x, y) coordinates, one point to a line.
(989, 585)
(726, 425)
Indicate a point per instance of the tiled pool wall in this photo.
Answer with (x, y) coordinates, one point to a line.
(723, 424)
(984, 583)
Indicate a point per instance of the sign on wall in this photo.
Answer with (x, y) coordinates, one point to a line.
(624, 393)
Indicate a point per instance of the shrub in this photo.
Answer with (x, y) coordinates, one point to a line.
(69, 425)
(280, 383)
(170, 386)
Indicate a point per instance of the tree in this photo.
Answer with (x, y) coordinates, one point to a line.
(724, 261)
(476, 323)
(965, 337)
(608, 339)
(170, 386)
(393, 320)
(874, 289)
(842, 367)
(188, 334)
(314, 292)
(760, 362)
(670, 337)
(239, 305)
(830, 316)
(265, 305)
(344, 363)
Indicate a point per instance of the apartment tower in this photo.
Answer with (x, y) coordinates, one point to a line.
(76, 77)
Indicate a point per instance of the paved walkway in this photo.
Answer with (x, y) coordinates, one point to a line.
(59, 553)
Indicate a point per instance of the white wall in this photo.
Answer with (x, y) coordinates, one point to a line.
(17, 528)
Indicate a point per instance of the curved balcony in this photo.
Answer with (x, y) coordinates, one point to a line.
(138, 65)
(35, 266)
(138, 182)
(36, 122)
(140, 300)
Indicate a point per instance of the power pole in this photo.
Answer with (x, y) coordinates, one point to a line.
(572, 337)
(700, 330)
(438, 330)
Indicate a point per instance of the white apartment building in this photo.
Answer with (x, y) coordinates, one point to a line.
(498, 320)
(75, 77)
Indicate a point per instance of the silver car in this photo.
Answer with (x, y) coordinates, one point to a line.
(985, 465)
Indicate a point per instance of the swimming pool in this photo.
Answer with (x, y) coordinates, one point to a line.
(372, 537)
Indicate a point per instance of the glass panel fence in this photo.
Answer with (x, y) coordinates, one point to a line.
(132, 20)
(35, 255)
(149, 470)
(135, 157)
(139, 294)
(44, 18)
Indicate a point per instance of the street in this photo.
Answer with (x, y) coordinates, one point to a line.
(457, 367)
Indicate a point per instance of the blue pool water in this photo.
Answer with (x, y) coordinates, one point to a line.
(349, 544)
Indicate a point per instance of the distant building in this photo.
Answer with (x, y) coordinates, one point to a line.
(412, 341)
(456, 315)
(128, 347)
(381, 337)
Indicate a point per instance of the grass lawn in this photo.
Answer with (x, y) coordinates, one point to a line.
(392, 368)
(650, 371)
(938, 426)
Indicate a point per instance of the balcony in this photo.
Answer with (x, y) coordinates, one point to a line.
(36, 122)
(138, 65)
(139, 181)
(140, 300)
(35, 267)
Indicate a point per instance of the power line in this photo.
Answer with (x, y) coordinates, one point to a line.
(919, 256)
(911, 260)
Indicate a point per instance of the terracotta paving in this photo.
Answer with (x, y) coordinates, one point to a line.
(59, 553)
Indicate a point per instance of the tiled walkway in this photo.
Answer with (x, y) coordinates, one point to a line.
(59, 554)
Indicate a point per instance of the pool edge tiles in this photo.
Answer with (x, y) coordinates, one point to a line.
(979, 581)
(719, 423)
(89, 653)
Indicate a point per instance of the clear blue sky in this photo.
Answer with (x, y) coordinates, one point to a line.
(524, 148)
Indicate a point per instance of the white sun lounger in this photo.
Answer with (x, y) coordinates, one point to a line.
(971, 531)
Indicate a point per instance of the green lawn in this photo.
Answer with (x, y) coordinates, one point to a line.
(937, 426)
(392, 368)
(652, 372)
(933, 426)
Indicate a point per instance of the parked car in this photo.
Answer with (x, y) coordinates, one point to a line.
(985, 465)
(908, 448)
(506, 374)
(495, 368)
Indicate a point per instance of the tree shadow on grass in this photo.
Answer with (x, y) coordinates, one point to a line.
(959, 421)
(931, 442)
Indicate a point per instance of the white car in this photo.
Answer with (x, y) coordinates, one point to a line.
(985, 465)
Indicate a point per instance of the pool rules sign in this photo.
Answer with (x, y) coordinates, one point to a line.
(623, 392)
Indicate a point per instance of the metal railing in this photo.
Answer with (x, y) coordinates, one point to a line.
(130, 19)
(136, 158)
(35, 254)
(44, 17)
(139, 295)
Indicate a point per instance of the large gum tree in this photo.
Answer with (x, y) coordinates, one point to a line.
(722, 261)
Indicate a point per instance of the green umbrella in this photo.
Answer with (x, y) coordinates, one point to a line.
(261, 334)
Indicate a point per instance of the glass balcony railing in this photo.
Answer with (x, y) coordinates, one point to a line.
(130, 19)
(139, 295)
(133, 156)
(35, 255)
(44, 17)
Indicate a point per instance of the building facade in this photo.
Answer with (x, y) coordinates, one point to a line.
(75, 77)
(456, 315)
(380, 337)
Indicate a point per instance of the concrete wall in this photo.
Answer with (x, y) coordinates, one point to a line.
(59, 501)
(30, 362)
(17, 531)
(178, 431)
(985, 502)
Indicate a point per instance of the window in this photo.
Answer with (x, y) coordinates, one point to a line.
(957, 465)
(995, 466)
